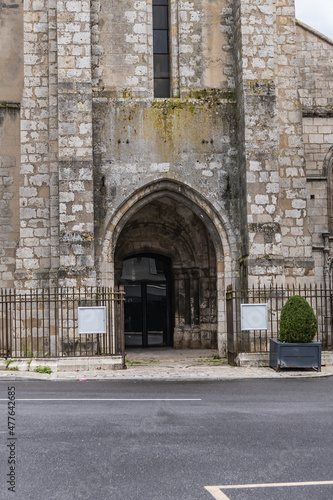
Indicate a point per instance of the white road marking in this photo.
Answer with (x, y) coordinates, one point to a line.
(216, 492)
(100, 399)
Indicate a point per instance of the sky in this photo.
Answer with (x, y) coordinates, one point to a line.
(316, 13)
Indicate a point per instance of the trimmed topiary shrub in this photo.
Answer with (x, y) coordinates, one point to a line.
(298, 322)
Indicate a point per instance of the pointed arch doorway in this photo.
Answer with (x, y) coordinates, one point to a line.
(168, 219)
(147, 280)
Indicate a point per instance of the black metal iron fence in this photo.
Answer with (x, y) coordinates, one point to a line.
(44, 323)
(239, 340)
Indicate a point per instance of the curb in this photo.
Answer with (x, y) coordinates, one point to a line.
(176, 378)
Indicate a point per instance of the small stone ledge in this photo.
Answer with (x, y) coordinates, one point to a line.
(326, 358)
(10, 105)
(68, 364)
(317, 112)
(258, 359)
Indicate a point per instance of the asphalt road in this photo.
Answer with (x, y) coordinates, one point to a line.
(122, 440)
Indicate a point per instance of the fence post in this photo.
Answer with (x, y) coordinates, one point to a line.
(232, 351)
(121, 335)
(329, 319)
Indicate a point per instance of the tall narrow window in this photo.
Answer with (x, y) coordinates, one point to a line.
(161, 48)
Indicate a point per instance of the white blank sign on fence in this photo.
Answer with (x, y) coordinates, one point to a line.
(91, 320)
(254, 316)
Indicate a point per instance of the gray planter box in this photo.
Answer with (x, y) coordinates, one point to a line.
(294, 355)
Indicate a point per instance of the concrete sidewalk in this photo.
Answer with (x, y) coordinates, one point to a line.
(152, 364)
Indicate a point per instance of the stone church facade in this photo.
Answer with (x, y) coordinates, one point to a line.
(175, 147)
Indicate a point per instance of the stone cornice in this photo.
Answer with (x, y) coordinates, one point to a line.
(318, 112)
(10, 105)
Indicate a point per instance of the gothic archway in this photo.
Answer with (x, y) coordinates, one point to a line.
(171, 220)
(167, 228)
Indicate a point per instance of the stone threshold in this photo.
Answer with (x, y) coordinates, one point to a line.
(68, 364)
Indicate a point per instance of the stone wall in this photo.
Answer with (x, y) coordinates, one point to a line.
(56, 234)
(270, 139)
(257, 137)
(11, 53)
(200, 46)
(189, 140)
(296, 239)
(315, 81)
(11, 84)
(9, 183)
(33, 253)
